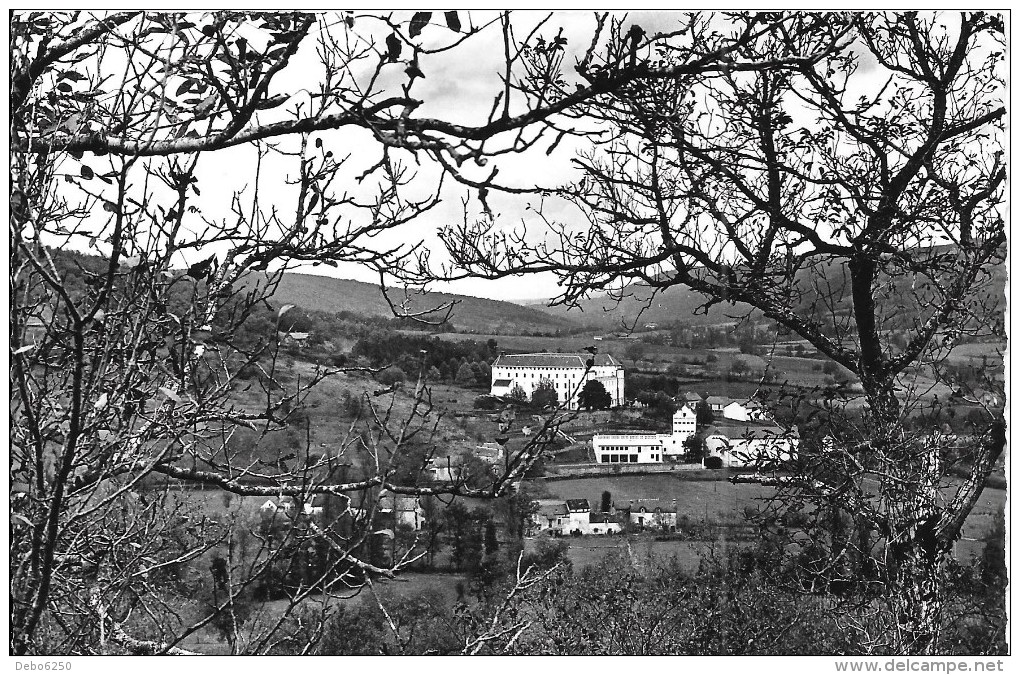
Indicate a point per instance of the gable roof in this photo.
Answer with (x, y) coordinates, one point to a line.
(650, 506)
(751, 431)
(717, 400)
(552, 360)
(692, 397)
(578, 505)
(551, 507)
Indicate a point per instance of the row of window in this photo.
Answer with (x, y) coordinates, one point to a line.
(573, 376)
(625, 459)
(578, 368)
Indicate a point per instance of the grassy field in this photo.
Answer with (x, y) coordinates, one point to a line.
(640, 550)
(410, 585)
(711, 501)
(323, 423)
(976, 351)
(721, 502)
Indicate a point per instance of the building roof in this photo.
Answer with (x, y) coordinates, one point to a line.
(692, 397)
(717, 400)
(502, 383)
(489, 452)
(578, 505)
(602, 518)
(552, 507)
(552, 360)
(761, 430)
(391, 501)
(650, 505)
(747, 405)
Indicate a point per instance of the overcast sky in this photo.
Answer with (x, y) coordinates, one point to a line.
(459, 86)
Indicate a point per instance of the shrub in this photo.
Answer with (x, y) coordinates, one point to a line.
(518, 395)
(352, 404)
(713, 462)
(486, 402)
(391, 375)
(465, 375)
(594, 396)
(544, 395)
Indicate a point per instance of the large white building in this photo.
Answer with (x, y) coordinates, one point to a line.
(646, 448)
(566, 372)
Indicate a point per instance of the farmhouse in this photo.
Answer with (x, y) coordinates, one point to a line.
(551, 514)
(603, 523)
(691, 398)
(743, 411)
(401, 509)
(295, 338)
(651, 513)
(452, 468)
(578, 515)
(490, 453)
(566, 372)
(750, 444)
(717, 403)
(572, 516)
(646, 448)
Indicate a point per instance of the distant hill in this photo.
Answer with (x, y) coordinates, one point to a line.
(328, 294)
(668, 306)
(479, 315)
(678, 304)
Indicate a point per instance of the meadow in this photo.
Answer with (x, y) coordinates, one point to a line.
(720, 505)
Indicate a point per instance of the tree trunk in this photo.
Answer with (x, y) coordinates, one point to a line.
(917, 598)
(916, 556)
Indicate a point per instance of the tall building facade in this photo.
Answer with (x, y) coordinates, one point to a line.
(646, 448)
(568, 374)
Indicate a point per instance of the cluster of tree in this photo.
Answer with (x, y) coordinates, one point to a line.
(464, 362)
(593, 396)
(735, 603)
(750, 338)
(714, 167)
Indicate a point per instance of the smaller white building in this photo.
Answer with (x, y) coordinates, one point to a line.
(717, 403)
(657, 514)
(646, 448)
(603, 523)
(744, 411)
(550, 514)
(751, 444)
(578, 516)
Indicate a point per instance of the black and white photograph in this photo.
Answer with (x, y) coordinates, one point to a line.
(567, 332)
